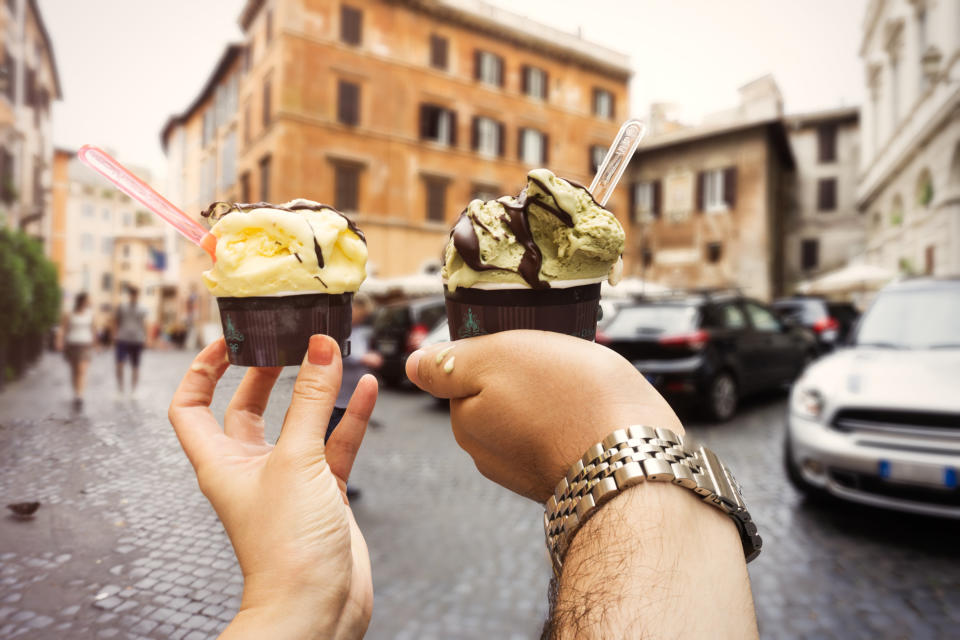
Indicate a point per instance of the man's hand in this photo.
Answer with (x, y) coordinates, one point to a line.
(305, 564)
(526, 404)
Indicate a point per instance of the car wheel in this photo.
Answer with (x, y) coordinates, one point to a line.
(722, 397)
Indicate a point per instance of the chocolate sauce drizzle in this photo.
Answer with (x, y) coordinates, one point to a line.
(516, 216)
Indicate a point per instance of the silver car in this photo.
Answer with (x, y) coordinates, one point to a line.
(879, 422)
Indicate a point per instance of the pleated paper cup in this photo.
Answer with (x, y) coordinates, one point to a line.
(274, 331)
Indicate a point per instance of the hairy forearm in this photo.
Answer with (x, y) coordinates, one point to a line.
(654, 562)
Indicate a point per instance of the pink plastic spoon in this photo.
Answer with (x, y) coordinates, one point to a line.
(101, 162)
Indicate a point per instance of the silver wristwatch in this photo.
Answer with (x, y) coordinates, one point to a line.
(630, 456)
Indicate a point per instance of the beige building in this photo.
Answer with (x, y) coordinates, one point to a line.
(28, 85)
(823, 229)
(707, 202)
(909, 186)
(396, 112)
(102, 242)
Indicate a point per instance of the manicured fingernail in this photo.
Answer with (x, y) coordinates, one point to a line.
(320, 350)
(413, 364)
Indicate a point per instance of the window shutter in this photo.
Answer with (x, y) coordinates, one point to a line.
(475, 133)
(730, 186)
(656, 199)
(546, 148)
(453, 127)
(520, 142)
(701, 179)
(613, 106)
(501, 138)
(546, 85)
(424, 116)
(524, 84)
(476, 64)
(500, 78)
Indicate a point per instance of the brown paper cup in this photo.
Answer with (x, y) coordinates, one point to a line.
(475, 312)
(274, 331)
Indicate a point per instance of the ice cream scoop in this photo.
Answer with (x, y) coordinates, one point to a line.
(553, 232)
(298, 247)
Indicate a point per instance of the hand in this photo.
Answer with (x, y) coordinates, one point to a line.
(305, 563)
(526, 404)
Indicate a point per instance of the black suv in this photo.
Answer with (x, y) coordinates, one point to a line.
(830, 322)
(398, 330)
(711, 348)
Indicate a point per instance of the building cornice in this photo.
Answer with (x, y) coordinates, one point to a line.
(42, 28)
(870, 19)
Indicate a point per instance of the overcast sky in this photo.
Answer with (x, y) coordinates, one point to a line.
(126, 65)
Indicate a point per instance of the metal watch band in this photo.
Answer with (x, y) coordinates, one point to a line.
(633, 455)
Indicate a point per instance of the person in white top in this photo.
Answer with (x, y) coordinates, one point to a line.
(77, 341)
(131, 334)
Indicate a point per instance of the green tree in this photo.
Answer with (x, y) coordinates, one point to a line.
(44, 309)
(16, 292)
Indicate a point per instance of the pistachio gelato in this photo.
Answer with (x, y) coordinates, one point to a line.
(553, 231)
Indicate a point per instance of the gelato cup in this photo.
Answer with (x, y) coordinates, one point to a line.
(535, 261)
(283, 273)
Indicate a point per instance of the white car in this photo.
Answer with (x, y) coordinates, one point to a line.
(879, 422)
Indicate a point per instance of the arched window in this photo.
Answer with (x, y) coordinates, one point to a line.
(896, 211)
(925, 188)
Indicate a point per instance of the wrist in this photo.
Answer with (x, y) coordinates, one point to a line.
(280, 612)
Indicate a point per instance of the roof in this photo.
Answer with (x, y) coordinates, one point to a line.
(229, 54)
(813, 118)
(774, 127)
(42, 28)
(507, 25)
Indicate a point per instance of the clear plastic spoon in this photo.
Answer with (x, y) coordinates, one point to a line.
(101, 162)
(616, 160)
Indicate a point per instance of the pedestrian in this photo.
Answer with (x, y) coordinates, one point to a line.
(526, 405)
(130, 335)
(361, 361)
(77, 341)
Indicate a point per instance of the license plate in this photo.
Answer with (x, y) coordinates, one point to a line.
(917, 473)
(387, 347)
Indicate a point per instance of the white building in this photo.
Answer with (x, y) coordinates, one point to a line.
(910, 144)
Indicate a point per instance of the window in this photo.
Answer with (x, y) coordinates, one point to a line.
(925, 188)
(488, 68)
(10, 72)
(827, 143)
(646, 256)
(717, 189)
(438, 52)
(597, 154)
(87, 211)
(809, 254)
(602, 103)
(761, 319)
(645, 198)
(487, 136)
(485, 192)
(827, 194)
(348, 103)
(732, 317)
(6, 175)
(346, 187)
(106, 281)
(922, 45)
(351, 25)
(245, 187)
(714, 252)
(86, 243)
(438, 124)
(436, 198)
(106, 246)
(535, 82)
(127, 219)
(105, 214)
(228, 161)
(264, 165)
(894, 89)
(532, 147)
(268, 27)
(126, 251)
(929, 260)
(267, 82)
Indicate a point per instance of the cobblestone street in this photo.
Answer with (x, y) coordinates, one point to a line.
(125, 546)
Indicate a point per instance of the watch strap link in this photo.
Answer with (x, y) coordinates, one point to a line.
(633, 455)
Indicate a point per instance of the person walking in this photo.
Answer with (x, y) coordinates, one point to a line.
(77, 342)
(131, 334)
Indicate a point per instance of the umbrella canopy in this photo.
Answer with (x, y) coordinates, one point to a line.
(417, 284)
(851, 278)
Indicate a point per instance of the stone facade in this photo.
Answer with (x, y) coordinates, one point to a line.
(910, 166)
(824, 216)
(372, 105)
(28, 85)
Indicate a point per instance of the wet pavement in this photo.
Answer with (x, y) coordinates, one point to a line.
(125, 546)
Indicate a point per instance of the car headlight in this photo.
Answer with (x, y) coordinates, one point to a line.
(807, 402)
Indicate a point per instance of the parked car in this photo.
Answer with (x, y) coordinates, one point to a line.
(830, 322)
(709, 348)
(879, 422)
(399, 330)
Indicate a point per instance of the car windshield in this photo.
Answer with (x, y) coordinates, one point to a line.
(653, 319)
(802, 311)
(924, 319)
(390, 318)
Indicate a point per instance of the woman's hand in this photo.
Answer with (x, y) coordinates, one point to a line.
(305, 563)
(526, 404)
